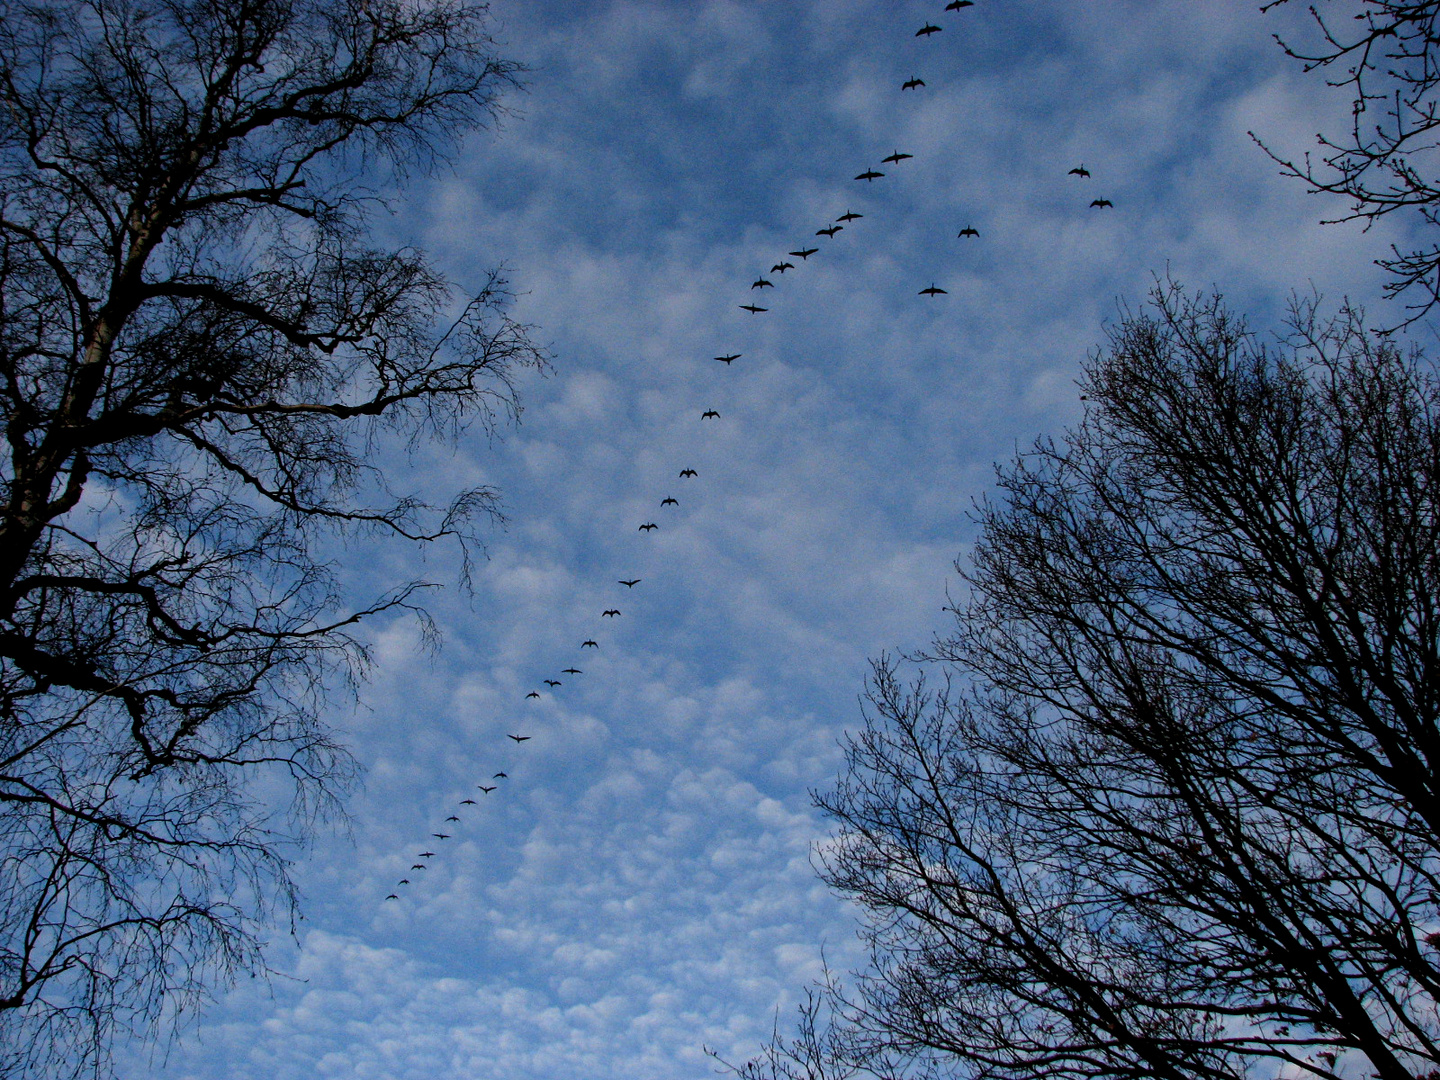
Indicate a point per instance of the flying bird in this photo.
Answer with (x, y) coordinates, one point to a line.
(403, 881)
(870, 174)
(584, 645)
(706, 415)
(753, 309)
(895, 157)
(467, 802)
(521, 738)
(441, 835)
(928, 29)
(633, 581)
(419, 866)
(392, 896)
(956, 5)
(610, 614)
(912, 84)
(501, 776)
(688, 472)
(648, 526)
(849, 215)
(933, 290)
(424, 855)
(781, 267)
(668, 501)
(552, 682)
(567, 671)
(1079, 170)
(761, 283)
(1102, 203)
(829, 230)
(485, 789)
(533, 693)
(730, 359)
(804, 253)
(969, 230)
(452, 817)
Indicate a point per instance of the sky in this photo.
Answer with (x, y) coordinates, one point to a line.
(639, 887)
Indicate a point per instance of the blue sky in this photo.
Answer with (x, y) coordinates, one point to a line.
(640, 886)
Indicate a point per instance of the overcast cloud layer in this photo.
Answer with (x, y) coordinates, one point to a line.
(639, 887)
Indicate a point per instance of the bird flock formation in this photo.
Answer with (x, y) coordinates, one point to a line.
(761, 283)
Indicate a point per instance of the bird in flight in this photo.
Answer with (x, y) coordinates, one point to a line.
(403, 881)
(441, 835)
(552, 682)
(829, 230)
(419, 866)
(956, 5)
(649, 526)
(928, 29)
(870, 174)
(610, 614)
(521, 738)
(688, 472)
(753, 309)
(583, 645)
(969, 230)
(1102, 203)
(467, 802)
(933, 290)
(849, 215)
(629, 584)
(804, 253)
(501, 776)
(533, 693)
(761, 283)
(895, 157)
(452, 817)
(392, 896)
(669, 501)
(485, 789)
(1079, 170)
(424, 855)
(706, 415)
(567, 671)
(781, 267)
(912, 84)
(729, 359)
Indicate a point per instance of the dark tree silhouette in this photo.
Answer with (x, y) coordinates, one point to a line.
(1173, 808)
(199, 348)
(1385, 56)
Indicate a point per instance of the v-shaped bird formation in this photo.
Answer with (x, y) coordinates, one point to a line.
(933, 291)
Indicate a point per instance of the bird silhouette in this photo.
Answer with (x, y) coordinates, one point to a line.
(533, 693)
(1079, 170)
(933, 290)
(804, 253)
(708, 414)
(392, 896)
(870, 174)
(519, 739)
(730, 358)
(928, 29)
(668, 501)
(649, 526)
(753, 309)
(452, 817)
(501, 776)
(849, 215)
(688, 472)
(403, 881)
(912, 84)
(610, 614)
(424, 855)
(485, 789)
(441, 835)
(956, 5)
(419, 866)
(552, 682)
(629, 584)
(1102, 203)
(895, 157)
(761, 283)
(829, 230)
(781, 267)
(589, 644)
(969, 230)
(467, 802)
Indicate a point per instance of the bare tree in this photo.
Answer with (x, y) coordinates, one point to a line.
(200, 351)
(1385, 56)
(1172, 811)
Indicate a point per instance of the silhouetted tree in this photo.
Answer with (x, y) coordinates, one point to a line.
(1174, 809)
(1383, 52)
(199, 347)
